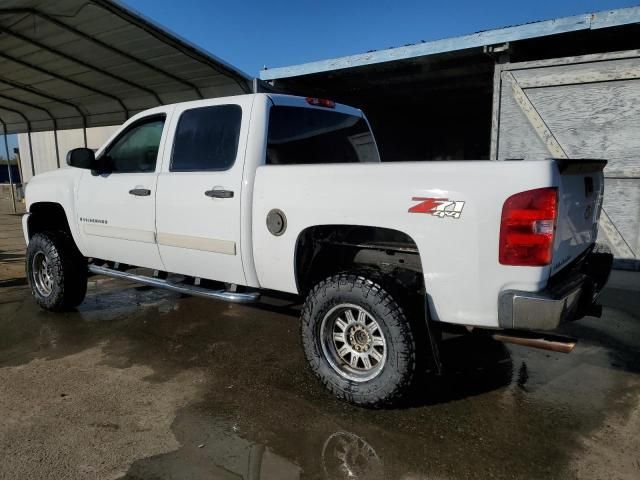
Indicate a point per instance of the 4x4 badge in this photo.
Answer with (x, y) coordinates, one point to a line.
(438, 207)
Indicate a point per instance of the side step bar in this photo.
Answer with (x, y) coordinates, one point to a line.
(235, 297)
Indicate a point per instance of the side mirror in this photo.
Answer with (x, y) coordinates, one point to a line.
(81, 158)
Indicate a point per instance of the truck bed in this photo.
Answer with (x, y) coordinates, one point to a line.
(458, 250)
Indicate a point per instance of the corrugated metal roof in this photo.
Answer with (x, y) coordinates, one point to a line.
(593, 21)
(76, 63)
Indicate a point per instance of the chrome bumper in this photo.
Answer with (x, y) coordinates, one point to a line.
(570, 295)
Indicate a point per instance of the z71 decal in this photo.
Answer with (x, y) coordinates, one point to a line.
(438, 207)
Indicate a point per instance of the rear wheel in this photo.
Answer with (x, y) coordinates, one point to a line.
(358, 340)
(56, 271)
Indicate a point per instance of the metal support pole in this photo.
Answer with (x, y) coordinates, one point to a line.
(33, 165)
(84, 133)
(55, 140)
(28, 124)
(13, 195)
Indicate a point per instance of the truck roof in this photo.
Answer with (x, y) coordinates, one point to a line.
(296, 101)
(276, 98)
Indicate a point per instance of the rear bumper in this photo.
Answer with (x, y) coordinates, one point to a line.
(569, 296)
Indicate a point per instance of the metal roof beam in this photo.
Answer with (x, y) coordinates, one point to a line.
(68, 80)
(32, 105)
(54, 51)
(19, 113)
(102, 44)
(28, 122)
(53, 120)
(589, 21)
(42, 94)
(64, 102)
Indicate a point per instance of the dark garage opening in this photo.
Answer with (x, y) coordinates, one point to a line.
(439, 107)
(420, 109)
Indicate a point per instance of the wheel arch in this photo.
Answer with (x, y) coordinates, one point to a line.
(48, 216)
(45, 216)
(324, 250)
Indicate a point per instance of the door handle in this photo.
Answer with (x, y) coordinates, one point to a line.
(219, 193)
(140, 192)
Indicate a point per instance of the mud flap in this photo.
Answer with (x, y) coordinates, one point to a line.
(435, 338)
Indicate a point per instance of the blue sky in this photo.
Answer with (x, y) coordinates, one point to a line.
(250, 34)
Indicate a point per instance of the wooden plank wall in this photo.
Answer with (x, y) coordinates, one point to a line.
(579, 107)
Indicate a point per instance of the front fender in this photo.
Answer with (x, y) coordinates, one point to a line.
(60, 187)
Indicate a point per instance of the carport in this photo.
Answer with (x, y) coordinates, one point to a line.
(565, 87)
(560, 88)
(75, 64)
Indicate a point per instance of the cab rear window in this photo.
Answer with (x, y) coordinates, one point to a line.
(308, 136)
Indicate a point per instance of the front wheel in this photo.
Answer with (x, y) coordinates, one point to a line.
(358, 341)
(56, 270)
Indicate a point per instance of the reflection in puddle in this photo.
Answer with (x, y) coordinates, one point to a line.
(346, 455)
(523, 376)
(223, 453)
(110, 304)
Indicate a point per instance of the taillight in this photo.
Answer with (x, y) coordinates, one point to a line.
(321, 102)
(528, 226)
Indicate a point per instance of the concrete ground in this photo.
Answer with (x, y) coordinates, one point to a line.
(141, 383)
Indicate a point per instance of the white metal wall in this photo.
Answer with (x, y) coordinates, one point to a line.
(44, 152)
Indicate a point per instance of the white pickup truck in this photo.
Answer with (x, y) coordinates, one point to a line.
(226, 197)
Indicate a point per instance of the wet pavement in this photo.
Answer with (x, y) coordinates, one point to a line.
(146, 384)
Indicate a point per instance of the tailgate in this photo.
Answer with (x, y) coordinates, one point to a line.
(580, 202)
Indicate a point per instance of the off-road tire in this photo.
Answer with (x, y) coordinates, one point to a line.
(68, 271)
(399, 370)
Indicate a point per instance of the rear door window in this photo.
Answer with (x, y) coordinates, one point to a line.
(206, 139)
(307, 136)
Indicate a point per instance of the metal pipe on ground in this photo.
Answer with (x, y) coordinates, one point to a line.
(554, 343)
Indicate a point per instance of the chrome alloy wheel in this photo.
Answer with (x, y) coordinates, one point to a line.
(353, 342)
(42, 275)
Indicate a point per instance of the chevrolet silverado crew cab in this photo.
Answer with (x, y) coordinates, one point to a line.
(227, 197)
